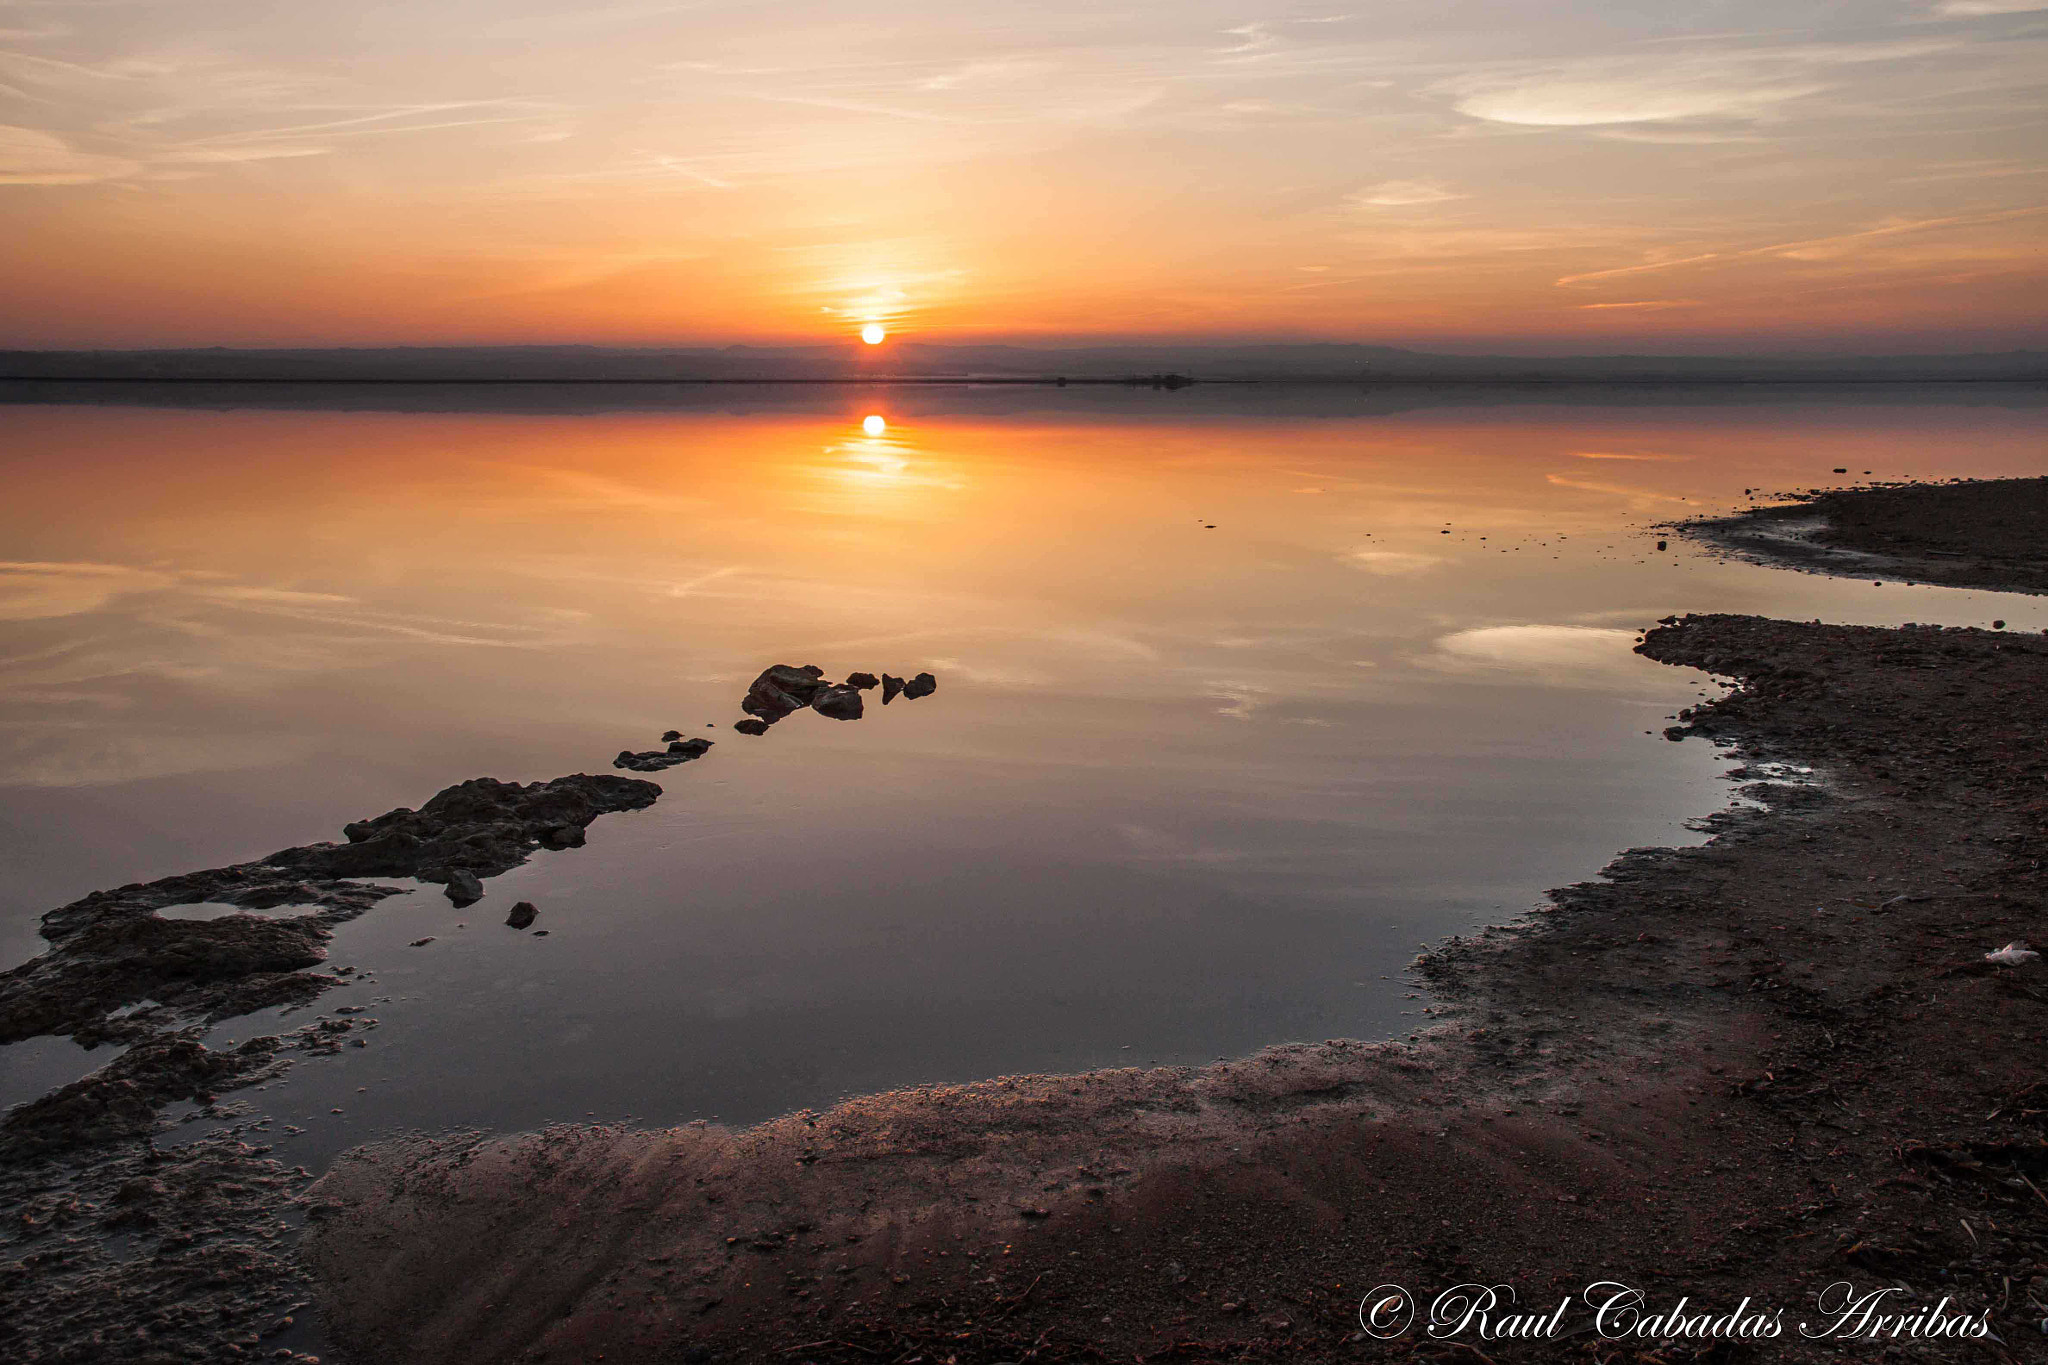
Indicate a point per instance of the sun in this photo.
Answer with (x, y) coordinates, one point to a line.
(873, 333)
(873, 424)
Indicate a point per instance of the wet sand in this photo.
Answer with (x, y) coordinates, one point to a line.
(1753, 1068)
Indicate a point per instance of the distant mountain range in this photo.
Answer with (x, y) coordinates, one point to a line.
(913, 361)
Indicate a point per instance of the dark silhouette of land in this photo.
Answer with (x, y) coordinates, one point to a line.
(1161, 366)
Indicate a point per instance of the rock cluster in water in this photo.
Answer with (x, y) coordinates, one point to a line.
(784, 689)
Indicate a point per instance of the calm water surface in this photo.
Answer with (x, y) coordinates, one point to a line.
(1182, 792)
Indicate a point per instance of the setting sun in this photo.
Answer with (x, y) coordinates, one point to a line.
(873, 333)
(873, 424)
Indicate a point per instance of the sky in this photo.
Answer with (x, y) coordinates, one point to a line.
(1531, 176)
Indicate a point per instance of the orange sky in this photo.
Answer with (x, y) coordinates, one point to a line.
(1476, 174)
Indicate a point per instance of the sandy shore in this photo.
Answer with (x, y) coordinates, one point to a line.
(1749, 1069)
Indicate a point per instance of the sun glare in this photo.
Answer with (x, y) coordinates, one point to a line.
(873, 333)
(873, 424)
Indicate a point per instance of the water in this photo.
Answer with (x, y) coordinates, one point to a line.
(1182, 792)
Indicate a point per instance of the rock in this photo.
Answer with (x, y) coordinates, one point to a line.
(863, 681)
(654, 760)
(667, 735)
(484, 825)
(464, 887)
(370, 852)
(751, 727)
(838, 702)
(781, 689)
(202, 965)
(523, 914)
(564, 836)
(891, 685)
(923, 685)
(421, 942)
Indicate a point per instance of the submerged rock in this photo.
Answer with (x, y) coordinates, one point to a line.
(923, 685)
(892, 686)
(751, 727)
(464, 887)
(862, 680)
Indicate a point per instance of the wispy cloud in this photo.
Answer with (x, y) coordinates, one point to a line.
(1808, 244)
(29, 156)
(34, 590)
(1976, 9)
(1643, 305)
(1402, 194)
(1667, 86)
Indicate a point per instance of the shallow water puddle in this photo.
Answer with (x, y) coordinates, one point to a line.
(36, 1066)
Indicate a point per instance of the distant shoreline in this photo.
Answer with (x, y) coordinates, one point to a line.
(909, 381)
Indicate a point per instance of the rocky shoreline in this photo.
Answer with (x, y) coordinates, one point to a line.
(124, 1250)
(1748, 1069)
